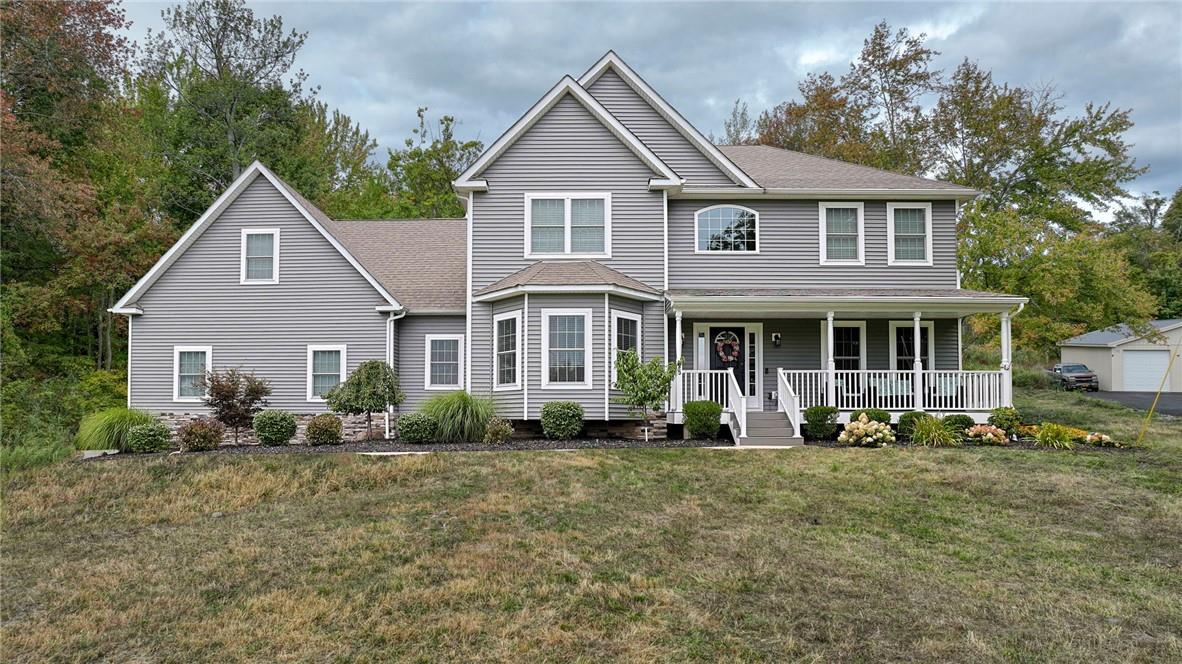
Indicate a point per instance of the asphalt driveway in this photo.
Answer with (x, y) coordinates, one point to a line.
(1170, 403)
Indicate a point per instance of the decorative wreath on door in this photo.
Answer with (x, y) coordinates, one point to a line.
(727, 345)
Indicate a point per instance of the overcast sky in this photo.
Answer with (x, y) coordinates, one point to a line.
(487, 63)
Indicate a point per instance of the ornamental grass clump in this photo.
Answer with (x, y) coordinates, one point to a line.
(1055, 436)
(108, 429)
(987, 434)
(865, 432)
(932, 432)
(460, 417)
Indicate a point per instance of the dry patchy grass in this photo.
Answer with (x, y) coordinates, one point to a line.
(806, 555)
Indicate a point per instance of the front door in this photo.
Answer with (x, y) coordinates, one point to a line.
(729, 346)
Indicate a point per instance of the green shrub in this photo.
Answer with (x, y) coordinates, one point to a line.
(22, 457)
(499, 432)
(875, 414)
(417, 428)
(907, 422)
(200, 435)
(107, 429)
(324, 429)
(1034, 379)
(562, 420)
(274, 427)
(959, 424)
(1055, 436)
(460, 417)
(820, 422)
(702, 419)
(933, 432)
(151, 437)
(1006, 418)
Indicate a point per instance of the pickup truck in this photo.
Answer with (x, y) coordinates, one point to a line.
(1075, 377)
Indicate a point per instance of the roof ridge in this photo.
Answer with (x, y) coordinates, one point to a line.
(844, 163)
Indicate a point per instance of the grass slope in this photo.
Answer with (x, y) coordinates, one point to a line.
(809, 554)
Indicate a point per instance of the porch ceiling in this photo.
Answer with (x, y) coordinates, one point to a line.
(865, 302)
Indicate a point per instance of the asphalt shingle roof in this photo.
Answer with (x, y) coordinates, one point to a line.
(1116, 333)
(567, 273)
(776, 168)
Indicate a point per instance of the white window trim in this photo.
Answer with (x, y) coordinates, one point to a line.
(344, 366)
(274, 233)
(860, 324)
(909, 325)
(176, 369)
(615, 351)
(927, 223)
(606, 197)
(427, 384)
(698, 213)
(588, 359)
(516, 385)
(822, 231)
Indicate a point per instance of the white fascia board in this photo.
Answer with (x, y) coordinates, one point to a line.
(219, 206)
(847, 305)
(833, 194)
(574, 290)
(127, 311)
(568, 85)
(612, 61)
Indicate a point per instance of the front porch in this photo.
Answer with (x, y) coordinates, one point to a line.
(869, 353)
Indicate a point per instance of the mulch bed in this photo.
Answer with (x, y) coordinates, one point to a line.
(1020, 445)
(394, 446)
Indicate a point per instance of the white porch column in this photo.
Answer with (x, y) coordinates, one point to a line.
(677, 341)
(675, 403)
(831, 367)
(917, 365)
(1007, 382)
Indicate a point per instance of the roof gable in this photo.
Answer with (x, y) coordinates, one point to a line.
(612, 62)
(566, 87)
(313, 215)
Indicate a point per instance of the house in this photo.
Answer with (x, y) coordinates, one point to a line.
(1125, 361)
(600, 221)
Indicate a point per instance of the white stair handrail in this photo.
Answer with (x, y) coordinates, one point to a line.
(736, 402)
(788, 401)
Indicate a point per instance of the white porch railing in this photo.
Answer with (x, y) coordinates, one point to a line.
(717, 385)
(787, 401)
(943, 391)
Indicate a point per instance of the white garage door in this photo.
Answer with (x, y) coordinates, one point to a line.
(1144, 369)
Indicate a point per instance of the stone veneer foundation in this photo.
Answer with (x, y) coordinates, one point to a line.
(352, 427)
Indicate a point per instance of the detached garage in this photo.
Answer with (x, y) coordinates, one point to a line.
(1125, 362)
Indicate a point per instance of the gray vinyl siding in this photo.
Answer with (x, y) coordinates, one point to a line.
(567, 150)
(320, 299)
(509, 402)
(654, 131)
(618, 410)
(789, 250)
(412, 356)
(591, 399)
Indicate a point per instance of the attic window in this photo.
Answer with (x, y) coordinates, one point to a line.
(260, 256)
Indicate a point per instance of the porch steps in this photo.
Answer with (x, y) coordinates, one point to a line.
(771, 429)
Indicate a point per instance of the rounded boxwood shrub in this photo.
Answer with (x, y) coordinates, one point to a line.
(1007, 419)
(417, 428)
(907, 422)
(562, 420)
(274, 427)
(151, 437)
(498, 432)
(200, 435)
(820, 422)
(959, 424)
(323, 429)
(702, 419)
(873, 414)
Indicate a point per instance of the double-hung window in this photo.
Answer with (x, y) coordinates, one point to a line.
(326, 369)
(566, 348)
(445, 362)
(260, 256)
(507, 344)
(909, 233)
(903, 344)
(568, 225)
(842, 240)
(625, 336)
(726, 229)
(190, 364)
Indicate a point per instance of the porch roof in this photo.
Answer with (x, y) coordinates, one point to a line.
(882, 301)
(558, 276)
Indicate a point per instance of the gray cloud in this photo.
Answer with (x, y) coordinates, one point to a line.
(487, 63)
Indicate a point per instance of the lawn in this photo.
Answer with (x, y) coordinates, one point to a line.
(808, 554)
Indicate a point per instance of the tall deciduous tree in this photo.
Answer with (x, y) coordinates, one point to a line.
(423, 171)
(826, 122)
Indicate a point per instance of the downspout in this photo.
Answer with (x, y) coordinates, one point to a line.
(390, 318)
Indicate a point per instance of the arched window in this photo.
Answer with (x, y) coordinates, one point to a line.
(726, 229)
